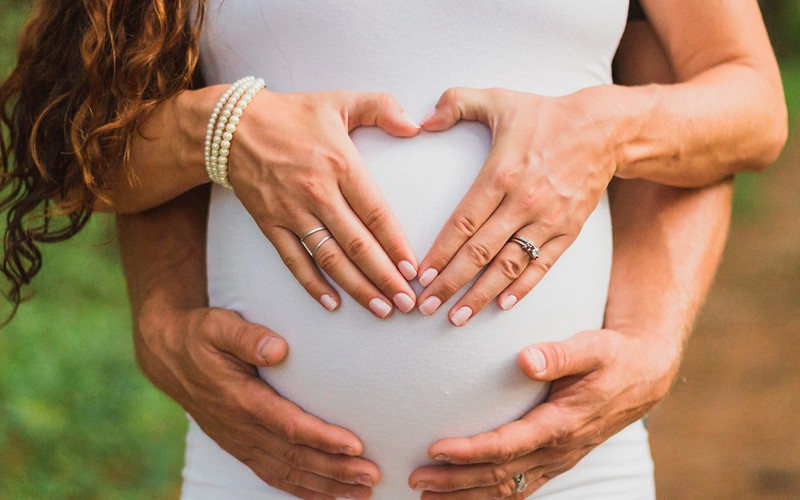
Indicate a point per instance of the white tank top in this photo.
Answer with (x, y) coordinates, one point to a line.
(404, 382)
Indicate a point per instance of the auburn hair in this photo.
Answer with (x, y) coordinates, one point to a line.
(88, 73)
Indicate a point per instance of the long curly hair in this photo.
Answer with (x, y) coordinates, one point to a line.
(88, 74)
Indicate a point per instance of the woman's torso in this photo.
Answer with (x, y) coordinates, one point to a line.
(401, 383)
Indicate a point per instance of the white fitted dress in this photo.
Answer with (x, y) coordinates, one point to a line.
(402, 383)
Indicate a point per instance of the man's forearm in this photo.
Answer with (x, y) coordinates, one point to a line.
(667, 246)
(163, 254)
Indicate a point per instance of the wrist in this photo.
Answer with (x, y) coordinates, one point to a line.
(624, 116)
(194, 107)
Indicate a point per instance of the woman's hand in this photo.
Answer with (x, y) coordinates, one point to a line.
(602, 381)
(294, 168)
(548, 168)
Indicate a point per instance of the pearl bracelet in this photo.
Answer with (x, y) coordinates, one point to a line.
(222, 126)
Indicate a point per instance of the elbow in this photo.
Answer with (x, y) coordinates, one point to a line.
(774, 135)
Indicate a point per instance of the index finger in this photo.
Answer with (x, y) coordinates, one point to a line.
(543, 426)
(287, 420)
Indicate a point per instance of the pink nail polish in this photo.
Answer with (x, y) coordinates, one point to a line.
(328, 302)
(404, 302)
(508, 302)
(461, 316)
(430, 305)
(380, 307)
(410, 120)
(407, 270)
(428, 276)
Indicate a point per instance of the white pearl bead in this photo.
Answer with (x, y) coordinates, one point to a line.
(217, 140)
(237, 112)
(223, 160)
(234, 119)
(227, 136)
(225, 144)
(224, 153)
(230, 128)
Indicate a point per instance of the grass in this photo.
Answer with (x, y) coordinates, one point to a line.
(77, 419)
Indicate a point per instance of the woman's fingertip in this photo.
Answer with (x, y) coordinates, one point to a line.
(508, 302)
(407, 269)
(428, 116)
(328, 302)
(428, 276)
(407, 118)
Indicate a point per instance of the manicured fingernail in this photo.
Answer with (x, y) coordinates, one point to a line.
(365, 480)
(429, 115)
(508, 302)
(441, 457)
(410, 120)
(328, 302)
(407, 270)
(264, 349)
(428, 276)
(539, 361)
(346, 450)
(404, 302)
(461, 316)
(422, 486)
(380, 307)
(430, 305)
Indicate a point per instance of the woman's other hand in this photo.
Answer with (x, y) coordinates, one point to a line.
(294, 168)
(548, 168)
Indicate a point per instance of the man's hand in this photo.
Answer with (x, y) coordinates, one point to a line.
(205, 360)
(602, 381)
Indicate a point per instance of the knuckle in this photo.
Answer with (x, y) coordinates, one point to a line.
(329, 259)
(465, 225)
(511, 268)
(448, 286)
(451, 97)
(377, 217)
(505, 454)
(288, 430)
(358, 248)
(313, 189)
(479, 253)
(562, 436)
(294, 262)
(505, 177)
(294, 456)
(499, 474)
(506, 489)
(544, 264)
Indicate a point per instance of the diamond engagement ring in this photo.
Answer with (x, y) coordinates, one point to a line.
(530, 247)
(521, 483)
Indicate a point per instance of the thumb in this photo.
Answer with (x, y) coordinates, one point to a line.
(249, 342)
(370, 109)
(456, 104)
(580, 354)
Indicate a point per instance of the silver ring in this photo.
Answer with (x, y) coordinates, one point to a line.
(521, 483)
(530, 247)
(316, 248)
(309, 233)
(305, 237)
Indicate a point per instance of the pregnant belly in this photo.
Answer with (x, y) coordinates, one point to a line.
(402, 383)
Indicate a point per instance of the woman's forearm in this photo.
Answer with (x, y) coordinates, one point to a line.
(725, 114)
(166, 156)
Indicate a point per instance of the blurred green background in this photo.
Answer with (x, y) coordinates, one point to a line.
(78, 420)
